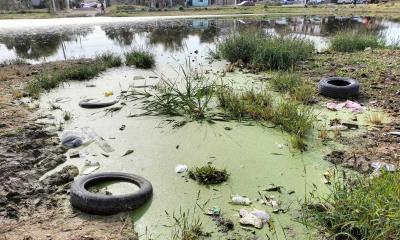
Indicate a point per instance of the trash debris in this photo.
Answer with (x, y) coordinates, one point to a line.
(240, 200)
(108, 93)
(78, 136)
(338, 127)
(103, 144)
(274, 188)
(353, 106)
(256, 218)
(214, 211)
(122, 128)
(138, 77)
(227, 128)
(327, 176)
(74, 154)
(180, 168)
(127, 153)
(62, 99)
(350, 125)
(105, 155)
(395, 133)
(378, 166)
(90, 85)
(89, 167)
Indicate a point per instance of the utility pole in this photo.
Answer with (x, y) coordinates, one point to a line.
(67, 3)
(54, 6)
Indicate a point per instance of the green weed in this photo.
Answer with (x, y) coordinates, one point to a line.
(208, 175)
(364, 208)
(264, 53)
(351, 42)
(140, 59)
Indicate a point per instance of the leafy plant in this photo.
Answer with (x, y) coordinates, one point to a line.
(208, 175)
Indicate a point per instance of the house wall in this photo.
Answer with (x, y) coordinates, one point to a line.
(199, 3)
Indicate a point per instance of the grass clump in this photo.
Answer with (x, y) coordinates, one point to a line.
(140, 59)
(376, 118)
(262, 53)
(352, 42)
(208, 175)
(187, 226)
(49, 80)
(293, 84)
(365, 208)
(190, 95)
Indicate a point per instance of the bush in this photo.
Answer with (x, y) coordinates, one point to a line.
(351, 42)
(281, 53)
(365, 208)
(239, 47)
(140, 59)
(264, 53)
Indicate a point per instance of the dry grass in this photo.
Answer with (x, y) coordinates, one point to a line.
(3, 76)
(323, 134)
(376, 118)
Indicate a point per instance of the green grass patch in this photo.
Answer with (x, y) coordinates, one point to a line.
(365, 208)
(49, 80)
(265, 52)
(294, 85)
(352, 42)
(140, 59)
(208, 175)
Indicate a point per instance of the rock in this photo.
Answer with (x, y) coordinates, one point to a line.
(66, 175)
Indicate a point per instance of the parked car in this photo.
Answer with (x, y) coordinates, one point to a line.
(89, 5)
(247, 3)
(316, 1)
(287, 2)
(344, 1)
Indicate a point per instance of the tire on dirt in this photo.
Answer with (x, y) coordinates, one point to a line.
(102, 204)
(338, 87)
(87, 103)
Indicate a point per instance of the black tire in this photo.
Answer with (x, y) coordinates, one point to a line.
(338, 87)
(102, 204)
(88, 103)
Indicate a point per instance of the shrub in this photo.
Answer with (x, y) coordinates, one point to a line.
(239, 47)
(281, 53)
(365, 208)
(264, 53)
(351, 42)
(140, 59)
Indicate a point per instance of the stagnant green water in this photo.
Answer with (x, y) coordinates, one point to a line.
(255, 156)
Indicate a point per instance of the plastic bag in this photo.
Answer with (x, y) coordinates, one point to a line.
(240, 200)
(180, 168)
(76, 137)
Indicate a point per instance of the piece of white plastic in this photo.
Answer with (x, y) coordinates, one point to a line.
(181, 168)
(240, 200)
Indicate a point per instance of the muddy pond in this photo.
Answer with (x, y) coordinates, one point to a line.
(254, 155)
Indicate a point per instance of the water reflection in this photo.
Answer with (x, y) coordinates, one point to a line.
(174, 35)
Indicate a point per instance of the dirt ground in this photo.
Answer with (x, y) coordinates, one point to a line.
(378, 72)
(29, 208)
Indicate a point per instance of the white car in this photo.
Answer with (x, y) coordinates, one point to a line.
(344, 1)
(317, 1)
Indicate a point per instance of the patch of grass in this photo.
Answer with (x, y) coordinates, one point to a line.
(140, 59)
(264, 53)
(285, 82)
(365, 208)
(3, 76)
(110, 59)
(298, 143)
(293, 84)
(294, 118)
(352, 42)
(190, 95)
(187, 226)
(239, 47)
(208, 175)
(84, 71)
(376, 118)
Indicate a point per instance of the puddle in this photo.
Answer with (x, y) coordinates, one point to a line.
(113, 188)
(87, 37)
(255, 156)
